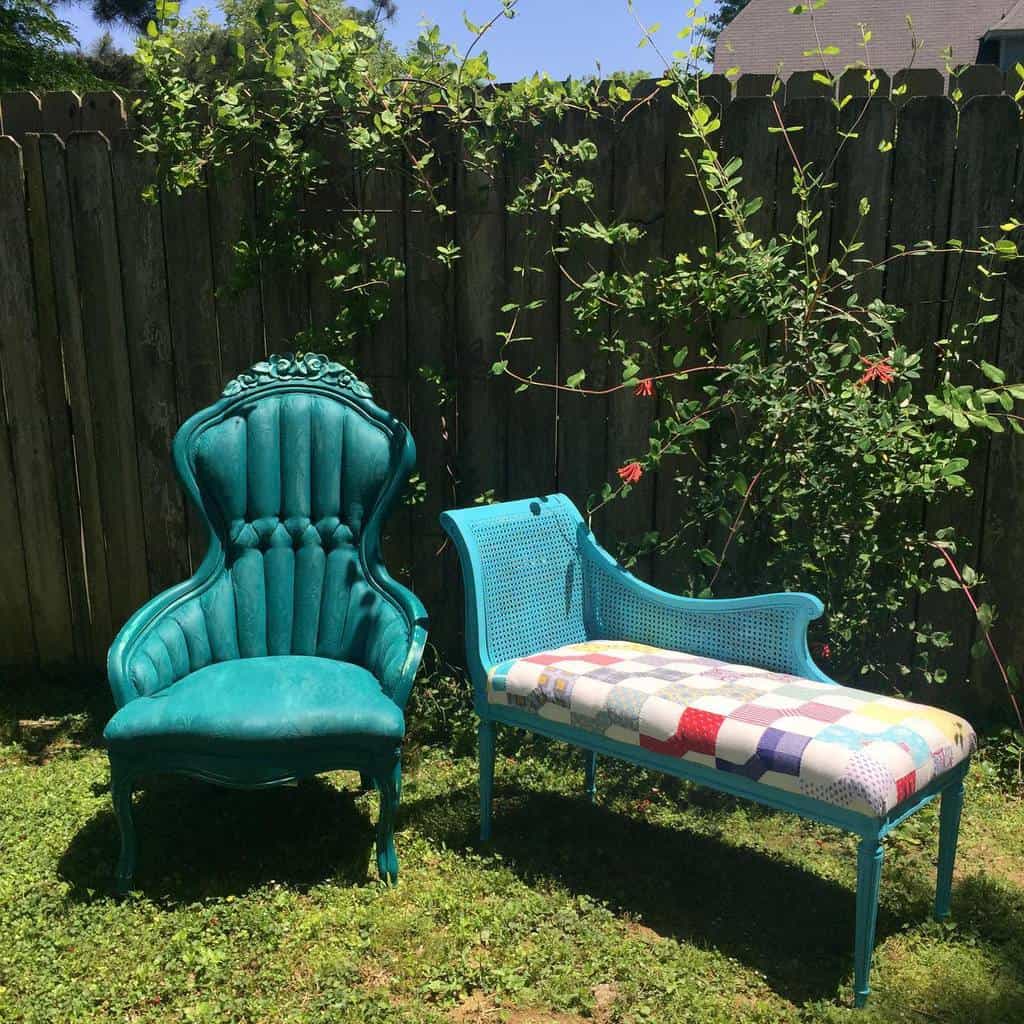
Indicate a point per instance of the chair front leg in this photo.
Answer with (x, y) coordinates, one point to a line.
(949, 830)
(869, 877)
(122, 783)
(486, 737)
(389, 786)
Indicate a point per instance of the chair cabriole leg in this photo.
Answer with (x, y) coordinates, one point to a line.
(869, 876)
(121, 785)
(389, 786)
(949, 830)
(486, 738)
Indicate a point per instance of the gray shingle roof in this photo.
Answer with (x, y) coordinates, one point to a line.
(765, 34)
(1013, 22)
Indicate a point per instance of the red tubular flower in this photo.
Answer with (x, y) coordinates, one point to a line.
(631, 472)
(877, 369)
(645, 389)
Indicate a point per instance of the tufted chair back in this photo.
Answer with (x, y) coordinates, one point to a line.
(294, 471)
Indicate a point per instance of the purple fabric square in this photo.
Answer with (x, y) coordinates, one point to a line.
(782, 750)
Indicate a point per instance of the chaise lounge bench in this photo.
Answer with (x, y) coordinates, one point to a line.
(562, 641)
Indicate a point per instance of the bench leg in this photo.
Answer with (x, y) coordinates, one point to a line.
(389, 786)
(121, 786)
(869, 875)
(485, 734)
(590, 775)
(949, 830)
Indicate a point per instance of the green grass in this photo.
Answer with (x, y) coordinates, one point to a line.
(662, 903)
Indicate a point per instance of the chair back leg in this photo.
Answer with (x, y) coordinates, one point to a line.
(869, 876)
(949, 831)
(486, 738)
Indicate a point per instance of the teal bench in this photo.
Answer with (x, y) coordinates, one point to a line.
(564, 642)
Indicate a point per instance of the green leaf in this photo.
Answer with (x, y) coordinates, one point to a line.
(993, 373)
(707, 556)
(574, 380)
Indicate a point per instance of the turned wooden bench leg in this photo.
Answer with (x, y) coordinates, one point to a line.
(485, 734)
(590, 775)
(949, 830)
(869, 875)
(122, 783)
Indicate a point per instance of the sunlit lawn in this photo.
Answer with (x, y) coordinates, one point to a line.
(661, 903)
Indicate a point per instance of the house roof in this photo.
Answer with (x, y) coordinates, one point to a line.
(1012, 22)
(764, 34)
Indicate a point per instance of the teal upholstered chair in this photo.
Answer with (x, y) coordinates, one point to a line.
(563, 641)
(291, 651)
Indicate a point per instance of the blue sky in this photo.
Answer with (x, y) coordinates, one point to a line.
(563, 37)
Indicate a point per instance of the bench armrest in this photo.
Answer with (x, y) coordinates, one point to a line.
(767, 630)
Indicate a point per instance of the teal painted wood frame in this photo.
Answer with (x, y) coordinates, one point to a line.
(556, 514)
(379, 764)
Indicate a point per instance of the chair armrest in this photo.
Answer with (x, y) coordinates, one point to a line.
(767, 630)
(172, 634)
(396, 637)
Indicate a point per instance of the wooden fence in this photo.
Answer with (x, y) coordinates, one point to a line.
(115, 325)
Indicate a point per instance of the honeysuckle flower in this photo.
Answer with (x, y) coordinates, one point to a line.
(645, 389)
(877, 369)
(631, 472)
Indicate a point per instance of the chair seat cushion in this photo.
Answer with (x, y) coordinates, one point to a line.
(283, 701)
(856, 750)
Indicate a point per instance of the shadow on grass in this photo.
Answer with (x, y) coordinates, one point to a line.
(198, 840)
(44, 716)
(791, 925)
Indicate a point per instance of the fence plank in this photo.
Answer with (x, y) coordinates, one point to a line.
(110, 386)
(638, 197)
(57, 412)
(103, 112)
(583, 465)
(815, 147)
(62, 113)
(152, 357)
(532, 440)
(748, 86)
(193, 317)
(430, 330)
(17, 638)
(28, 422)
(853, 82)
(976, 80)
(982, 188)
(232, 208)
(911, 82)
(803, 84)
(480, 284)
(69, 319)
(864, 171)
(22, 112)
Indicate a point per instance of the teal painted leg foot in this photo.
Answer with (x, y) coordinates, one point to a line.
(590, 781)
(869, 875)
(486, 735)
(390, 788)
(121, 785)
(949, 830)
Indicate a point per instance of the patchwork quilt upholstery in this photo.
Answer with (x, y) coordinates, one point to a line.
(856, 750)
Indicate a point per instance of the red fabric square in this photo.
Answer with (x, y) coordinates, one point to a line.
(907, 786)
(700, 729)
(600, 659)
(697, 730)
(545, 659)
